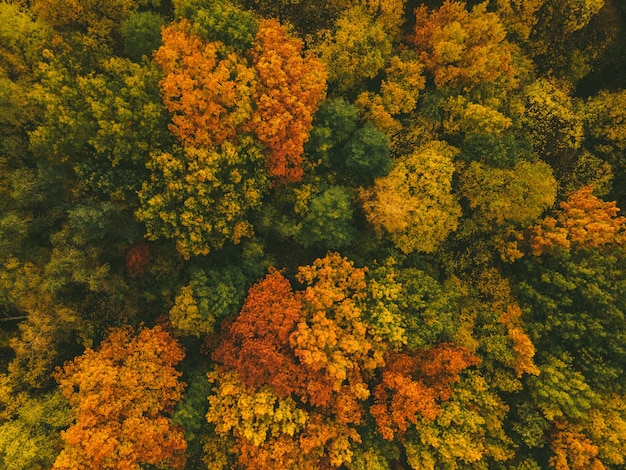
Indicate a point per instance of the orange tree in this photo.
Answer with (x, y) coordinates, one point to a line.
(121, 396)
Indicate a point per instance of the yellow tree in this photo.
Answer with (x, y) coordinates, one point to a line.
(509, 196)
(121, 396)
(398, 94)
(357, 43)
(201, 197)
(414, 203)
(552, 124)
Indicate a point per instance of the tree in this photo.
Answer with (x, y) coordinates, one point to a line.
(572, 449)
(206, 87)
(273, 95)
(335, 122)
(142, 35)
(462, 49)
(121, 396)
(559, 35)
(605, 132)
(414, 203)
(30, 440)
(219, 21)
(575, 304)
(287, 94)
(398, 94)
(367, 152)
(515, 196)
(298, 371)
(202, 197)
(551, 121)
(211, 294)
(114, 115)
(358, 43)
(401, 397)
(583, 222)
(86, 32)
(328, 221)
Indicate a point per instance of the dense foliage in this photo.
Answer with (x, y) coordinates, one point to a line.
(295, 234)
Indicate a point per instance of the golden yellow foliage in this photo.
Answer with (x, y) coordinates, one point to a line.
(414, 203)
(572, 449)
(467, 117)
(358, 43)
(522, 345)
(462, 49)
(398, 94)
(515, 196)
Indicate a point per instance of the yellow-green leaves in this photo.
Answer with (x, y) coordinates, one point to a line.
(202, 197)
(509, 196)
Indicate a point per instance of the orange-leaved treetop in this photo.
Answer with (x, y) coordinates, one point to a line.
(584, 221)
(288, 89)
(216, 94)
(121, 397)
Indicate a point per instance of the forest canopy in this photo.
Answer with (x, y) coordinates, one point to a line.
(293, 234)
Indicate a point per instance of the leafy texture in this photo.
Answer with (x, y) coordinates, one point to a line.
(121, 396)
(414, 202)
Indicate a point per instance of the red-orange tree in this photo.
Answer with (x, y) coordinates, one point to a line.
(121, 396)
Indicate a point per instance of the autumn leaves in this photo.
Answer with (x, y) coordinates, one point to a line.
(241, 120)
(300, 375)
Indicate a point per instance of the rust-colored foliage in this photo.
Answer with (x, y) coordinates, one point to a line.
(288, 91)
(584, 221)
(461, 48)
(413, 385)
(206, 87)
(257, 343)
(120, 396)
(295, 369)
(286, 349)
(138, 258)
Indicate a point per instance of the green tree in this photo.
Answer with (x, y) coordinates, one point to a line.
(211, 295)
(114, 115)
(142, 35)
(367, 152)
(328, 221)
